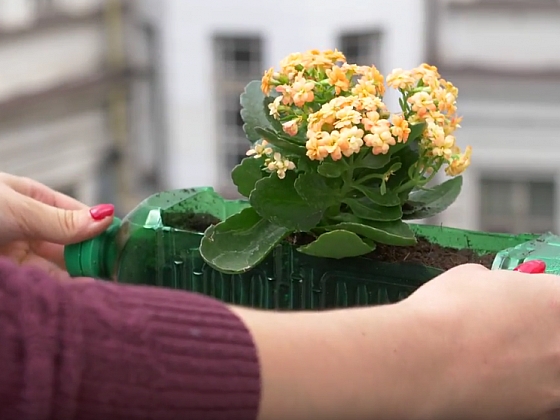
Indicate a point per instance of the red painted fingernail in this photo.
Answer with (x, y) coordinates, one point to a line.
(531, 267)
(102, 211)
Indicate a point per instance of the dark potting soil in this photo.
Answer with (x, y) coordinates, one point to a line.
(424, 252)
(429, 254)
(195, 222)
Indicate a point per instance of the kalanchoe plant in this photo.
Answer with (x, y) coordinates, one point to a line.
(329, 160)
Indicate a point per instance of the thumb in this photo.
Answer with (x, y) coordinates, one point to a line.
(39, 221)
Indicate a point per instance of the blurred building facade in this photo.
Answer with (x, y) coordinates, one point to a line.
(77, 97)
(503, 56)
(111, 100)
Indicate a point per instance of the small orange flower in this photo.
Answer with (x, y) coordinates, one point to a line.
(370, 120)
(347, 117)
(380, 138)
(400, 128)
(351, 140)
(315, 145)
(364, 88)
(335, 56)
(337, 78)
(444, 149)
(291, 127)
(302, 91)
(372, 74)
(422, 103)
(453, 124)
(287, 94)
(288, 66)
(273, 107)
(401, 79)
(458, 165)
(266, 81)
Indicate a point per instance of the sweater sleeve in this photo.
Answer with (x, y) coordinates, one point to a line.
(98, 350)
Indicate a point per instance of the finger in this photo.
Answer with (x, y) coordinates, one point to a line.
(49, 251)
(41, 192)
(22, 255)
(42, 222)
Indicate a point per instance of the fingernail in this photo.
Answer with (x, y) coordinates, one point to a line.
(531, 267)
(102, 211)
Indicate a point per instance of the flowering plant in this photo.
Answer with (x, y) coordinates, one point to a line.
(329, 159)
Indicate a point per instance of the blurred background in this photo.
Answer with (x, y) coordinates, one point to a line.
(112, 100)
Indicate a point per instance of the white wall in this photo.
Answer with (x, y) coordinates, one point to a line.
(188, 28)
(498, 38)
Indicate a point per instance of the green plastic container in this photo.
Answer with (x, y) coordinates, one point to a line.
(142, 249)
(545, 248)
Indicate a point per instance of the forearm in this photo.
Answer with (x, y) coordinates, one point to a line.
(352, 364)
(96, 350)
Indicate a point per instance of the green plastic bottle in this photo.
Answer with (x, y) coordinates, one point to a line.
(545, 248)
(154, 243)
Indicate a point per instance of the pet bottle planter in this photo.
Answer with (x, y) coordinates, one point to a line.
(143, 249)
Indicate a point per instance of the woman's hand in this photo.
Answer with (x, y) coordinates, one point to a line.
(470, 344)
(496, 336)
(36, 222)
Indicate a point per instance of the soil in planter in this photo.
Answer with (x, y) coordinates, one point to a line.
(424, 252)
(195, 222)
(431, 255)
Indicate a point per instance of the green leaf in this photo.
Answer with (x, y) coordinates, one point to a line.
(246, 174)
(331, 169)
(337, 244)
(304, 164)
(365, 209)
(240, 242)
(279, 141)
(395, 233)
(387, 199)
(406, 158)
(252, 110)
(416, 130)
(277, 201)
(313, 188)
(383, 187)
(346, 217)
(403, 195)
(431, 201)
(372, 161)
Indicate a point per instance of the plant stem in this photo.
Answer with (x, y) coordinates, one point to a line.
(368, 177)
(407, 185)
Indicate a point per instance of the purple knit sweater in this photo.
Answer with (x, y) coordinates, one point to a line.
(101, 351)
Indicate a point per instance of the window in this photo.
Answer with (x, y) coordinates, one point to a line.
(516, 206)
(362, 48)
(238, 61)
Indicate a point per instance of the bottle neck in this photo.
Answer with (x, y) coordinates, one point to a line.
(94, 257)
